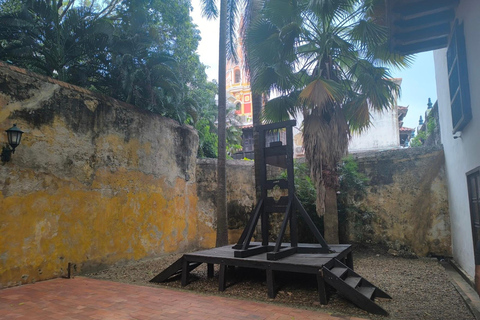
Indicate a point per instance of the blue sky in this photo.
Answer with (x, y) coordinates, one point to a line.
(418, 81)
(418, 84)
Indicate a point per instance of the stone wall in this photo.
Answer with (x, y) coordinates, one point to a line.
(407, 196)
(406, 200)
(94, 181)
(240, 194)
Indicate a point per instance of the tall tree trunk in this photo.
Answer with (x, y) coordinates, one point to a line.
(257, 111)
(330, 219)
(322, 159)
(222, 220)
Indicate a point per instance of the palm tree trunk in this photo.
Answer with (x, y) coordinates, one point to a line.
(330, 219)
(257, 111)
(222, 220)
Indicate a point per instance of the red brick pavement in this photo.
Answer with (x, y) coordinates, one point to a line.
(84, 298)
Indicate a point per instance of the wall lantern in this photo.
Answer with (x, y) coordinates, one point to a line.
(14, 136)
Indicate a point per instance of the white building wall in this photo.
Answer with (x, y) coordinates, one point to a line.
(382, 134)
(462, 154)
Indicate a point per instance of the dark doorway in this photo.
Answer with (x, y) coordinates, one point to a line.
(473, 180)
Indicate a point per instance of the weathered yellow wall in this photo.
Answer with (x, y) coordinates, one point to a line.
(94, 182)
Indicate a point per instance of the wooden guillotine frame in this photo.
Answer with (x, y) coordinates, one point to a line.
(274, 200)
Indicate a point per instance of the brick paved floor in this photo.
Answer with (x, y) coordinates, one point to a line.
(84, 298)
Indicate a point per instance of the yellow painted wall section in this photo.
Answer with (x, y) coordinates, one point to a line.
(41, 232)
(94, 182)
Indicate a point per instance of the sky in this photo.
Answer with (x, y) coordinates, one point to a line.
(418, 81)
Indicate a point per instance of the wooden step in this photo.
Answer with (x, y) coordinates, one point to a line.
(174, 270)
(366, 291)
(355, 288)
(338, 271)
(353, 281)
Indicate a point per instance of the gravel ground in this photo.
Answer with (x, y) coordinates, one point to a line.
(420, 288)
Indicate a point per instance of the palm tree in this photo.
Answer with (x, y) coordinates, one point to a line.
(328, 60)
(228, 15)
(251, 14)
(56, 39)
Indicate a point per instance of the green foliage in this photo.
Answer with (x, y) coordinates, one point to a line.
(353, 216)
(307, 194)
(419, 139)
(208, 140)
(431, 126)
(139, 51)
(330, 63)
(422, 135)
(206, 124)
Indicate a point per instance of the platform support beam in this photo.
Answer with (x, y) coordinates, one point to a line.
(185, 272)
(222, 279)
(322, 292)
(271, 283)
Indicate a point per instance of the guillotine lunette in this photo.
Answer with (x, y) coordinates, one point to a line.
(273, 200)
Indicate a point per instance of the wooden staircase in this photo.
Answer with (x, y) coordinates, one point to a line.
(353, 287)
(174, 270)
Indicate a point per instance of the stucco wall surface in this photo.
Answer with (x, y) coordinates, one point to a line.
(407, 194)
(462, 154)
(94, 181)
(240, 195)
(383, 134)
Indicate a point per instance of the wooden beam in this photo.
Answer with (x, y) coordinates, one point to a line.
(422, 46)
(210, 270)
(430, 20)
(277, 125)
(253, 251)
(222, 278)
(322, 292)
(283, 253)
(422, 35)
(411, 10)
(283, 228)
(271, 283)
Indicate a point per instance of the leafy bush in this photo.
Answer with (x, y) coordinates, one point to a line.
(418, 140)
(307, 194)
(353, 216)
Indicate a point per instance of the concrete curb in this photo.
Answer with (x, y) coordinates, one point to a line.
(464, 287)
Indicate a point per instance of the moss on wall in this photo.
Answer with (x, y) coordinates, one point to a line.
(94, 182)
(407, 195)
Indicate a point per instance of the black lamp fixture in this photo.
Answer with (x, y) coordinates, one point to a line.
(14, 136)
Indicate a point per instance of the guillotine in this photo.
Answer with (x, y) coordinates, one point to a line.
(278, 196)
(332, 265)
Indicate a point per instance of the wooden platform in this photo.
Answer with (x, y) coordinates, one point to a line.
(334, 269)
(331, 264)
(299, 262)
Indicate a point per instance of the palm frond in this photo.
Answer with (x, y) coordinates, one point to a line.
(209, 9)
(232, 15)
(367, 34)
(282, 108)
(321, 92)
(357, 113)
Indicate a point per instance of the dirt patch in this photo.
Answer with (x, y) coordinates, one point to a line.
(420, 288)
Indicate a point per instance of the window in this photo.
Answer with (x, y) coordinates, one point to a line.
(458, 79)
(473, 180)
(237, 76)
